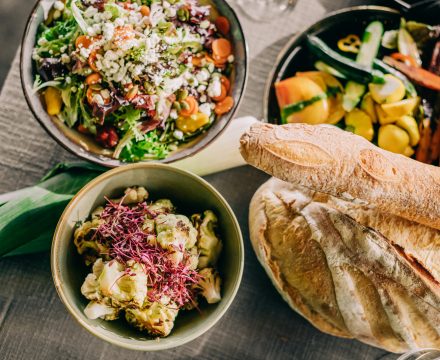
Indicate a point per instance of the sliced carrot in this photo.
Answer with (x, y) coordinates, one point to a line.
(224, 106)
(221, 48)
(222, 25)
(93, 78)
(83, 41)
(409, 60)
(219, 59)
(144, 10)
(193, 107)
(92, 61)
(422, 152)
(420, 76)
(222, 95)
(226, 83)
(434, 146)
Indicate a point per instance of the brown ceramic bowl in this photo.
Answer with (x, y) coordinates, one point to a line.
(85, 147)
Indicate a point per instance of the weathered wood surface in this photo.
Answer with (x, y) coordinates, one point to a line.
(259, 325)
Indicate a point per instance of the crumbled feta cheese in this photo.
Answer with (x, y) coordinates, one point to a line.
(203, 98)
(178, 134)
(97, 98)
(205, 108)
(173, 114)
(90, 12)
(231, 58)
(108, 30)
(203, 75)
(205, 24)
(214, 87)
(201, 89)
(119, 22)
(56, 14)
(68, 79)
(91, 31)
(42, 41)
(58, 5)
(84, 52)
(65, 59)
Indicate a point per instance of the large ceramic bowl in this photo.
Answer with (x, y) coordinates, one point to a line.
(191, 194)
(86, 147)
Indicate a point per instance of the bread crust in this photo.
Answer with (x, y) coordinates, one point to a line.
(327, 159)
(345, 278)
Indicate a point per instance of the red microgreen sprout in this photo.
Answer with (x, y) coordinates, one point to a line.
(121, 228)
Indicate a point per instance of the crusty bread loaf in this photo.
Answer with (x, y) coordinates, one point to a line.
(336, 162)
(345, 278)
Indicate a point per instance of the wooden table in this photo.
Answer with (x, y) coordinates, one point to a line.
(259, 325)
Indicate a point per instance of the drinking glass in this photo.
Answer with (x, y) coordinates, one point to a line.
(264, 10)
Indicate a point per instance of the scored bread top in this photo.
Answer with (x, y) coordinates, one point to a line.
(347, 279)
(327, 159)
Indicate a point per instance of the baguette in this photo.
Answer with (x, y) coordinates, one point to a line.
(330, 160)
(347, 279)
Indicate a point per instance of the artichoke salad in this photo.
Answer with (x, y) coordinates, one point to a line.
(140, 77)
(149, 262)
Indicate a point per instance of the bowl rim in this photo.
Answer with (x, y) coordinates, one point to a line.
(67, 144)
(295, 36)
(56, 270)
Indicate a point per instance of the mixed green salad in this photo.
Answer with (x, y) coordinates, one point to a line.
(149, 262)
(141, 77)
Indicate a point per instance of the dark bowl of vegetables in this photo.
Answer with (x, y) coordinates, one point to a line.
(370, 70)
(116, 82)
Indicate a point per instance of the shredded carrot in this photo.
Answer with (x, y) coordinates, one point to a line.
(221, 48)
(93, 78)
(409, 60)
(222, 95)
(222, 25)
(193, 107)
(224, 106)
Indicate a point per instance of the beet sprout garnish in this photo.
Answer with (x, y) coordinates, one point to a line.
(121, 228)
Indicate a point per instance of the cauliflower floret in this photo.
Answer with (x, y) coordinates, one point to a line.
(209, 285)
(162, 206)
(86, 244)
(96, 309)
(133, 195)
(175, 232)
(157, 319)
(193, 258)
(208, 243)
(90, 287)
(124, 284)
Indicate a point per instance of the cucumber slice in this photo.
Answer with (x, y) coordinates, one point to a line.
(370, 44)
(322, 66)
(353, 94)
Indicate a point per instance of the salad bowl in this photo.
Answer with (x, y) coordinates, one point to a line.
(83, 144)
(190, 194)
